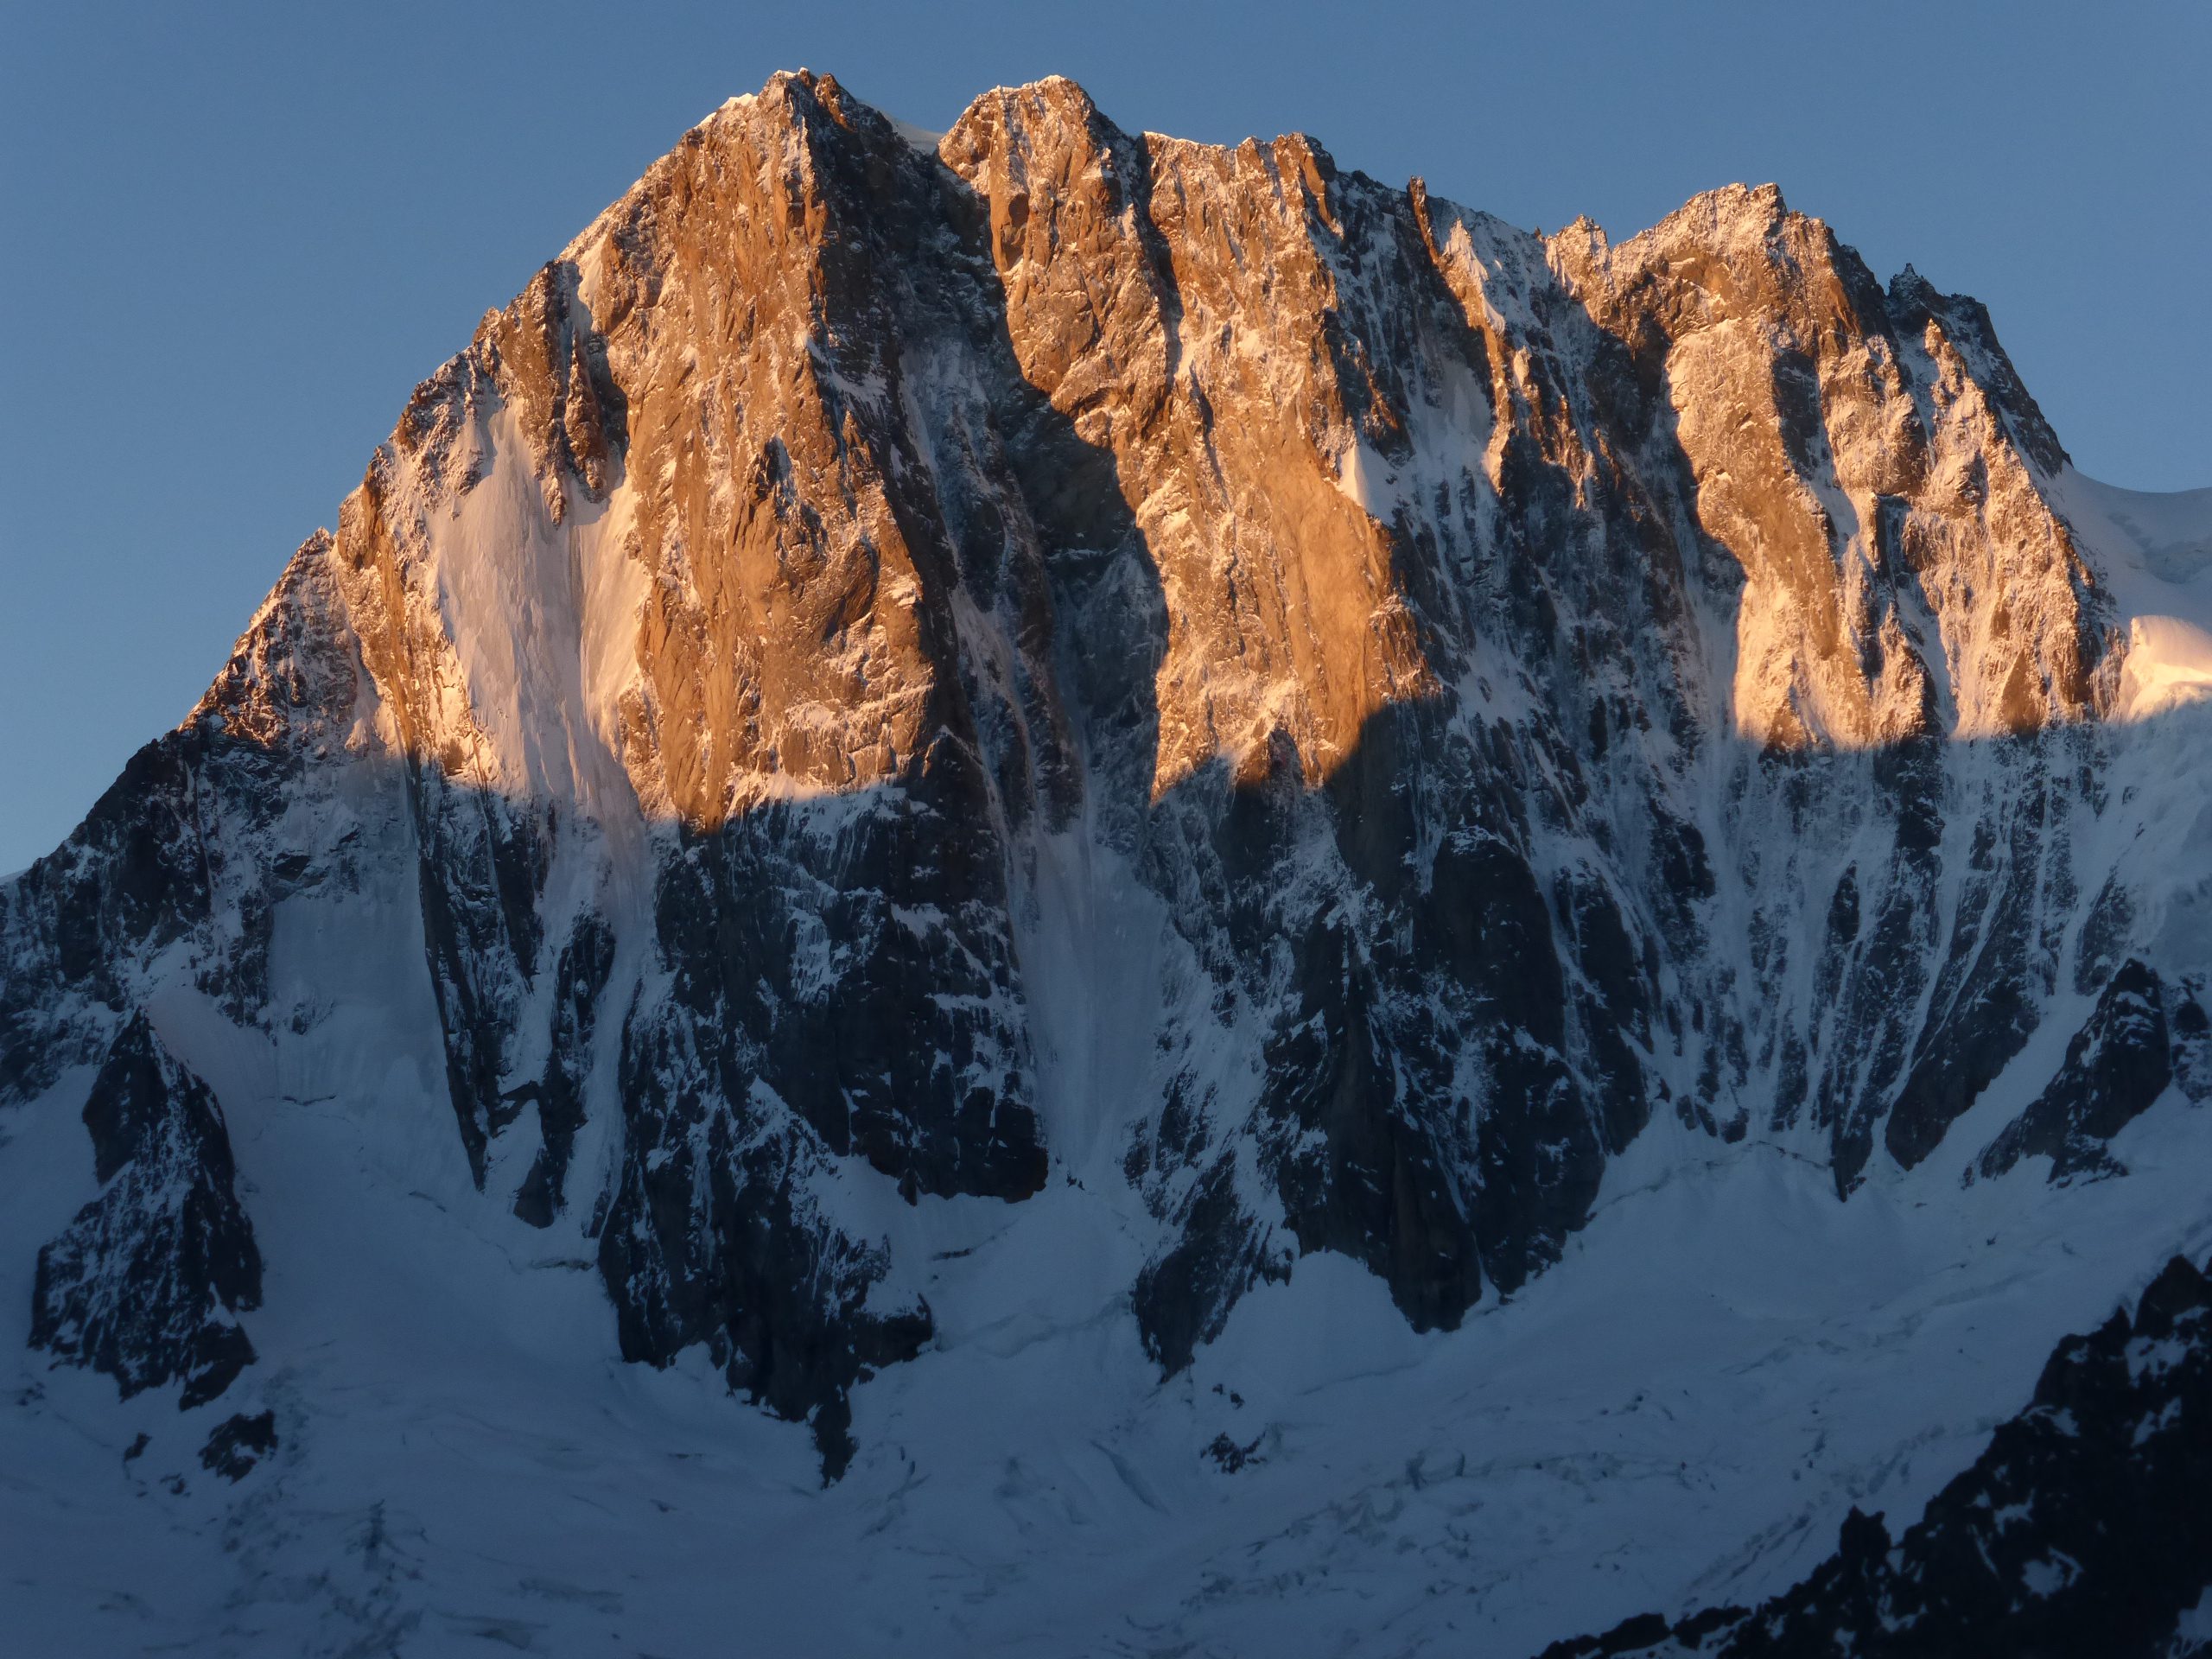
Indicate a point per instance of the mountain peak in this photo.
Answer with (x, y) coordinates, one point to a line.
(1151, 837)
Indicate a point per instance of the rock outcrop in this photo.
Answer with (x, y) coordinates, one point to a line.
(1515, 687)
(148, 1282)
(2077, 1530)
(2116, 1067)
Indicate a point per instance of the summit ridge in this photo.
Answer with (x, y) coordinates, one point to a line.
(995, 796)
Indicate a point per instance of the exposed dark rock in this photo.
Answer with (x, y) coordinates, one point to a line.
(1356, 1165)
(2116, 1066)
(1987, 997)
(580, 978)
(2104, 936)
(1229, 1457)
(238, 1443)
(482, 866)
(147, 1283)
(2080, 1529)
(714, 1237)
(2192, 1031)
(1182, 1298)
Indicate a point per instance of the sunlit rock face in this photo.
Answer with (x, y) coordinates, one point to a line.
(1078, 662)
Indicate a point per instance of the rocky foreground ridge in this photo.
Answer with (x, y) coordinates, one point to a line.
(2080, 1529)
(893, 677)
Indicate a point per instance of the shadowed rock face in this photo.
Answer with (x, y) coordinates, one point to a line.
(2116, 1067)
(2080, 1529)
(147, 1282)
(1521, 685)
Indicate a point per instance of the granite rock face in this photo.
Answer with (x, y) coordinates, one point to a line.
(1500, 689)
(2117, 1066)
(148, 1282)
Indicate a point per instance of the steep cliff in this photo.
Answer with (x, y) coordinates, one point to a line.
(1059, 726)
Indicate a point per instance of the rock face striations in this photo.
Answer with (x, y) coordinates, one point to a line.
(892, 678)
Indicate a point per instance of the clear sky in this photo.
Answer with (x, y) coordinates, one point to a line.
(233, 238)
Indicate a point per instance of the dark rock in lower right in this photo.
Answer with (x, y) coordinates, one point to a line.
(2082, 1529)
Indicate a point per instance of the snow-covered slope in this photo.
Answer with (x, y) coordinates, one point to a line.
(1324, 927)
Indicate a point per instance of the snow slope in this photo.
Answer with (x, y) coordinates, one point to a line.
(1680, 1414)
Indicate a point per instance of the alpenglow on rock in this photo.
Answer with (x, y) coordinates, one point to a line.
(1105, 774)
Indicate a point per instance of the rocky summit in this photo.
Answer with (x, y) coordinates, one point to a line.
(1046, 891)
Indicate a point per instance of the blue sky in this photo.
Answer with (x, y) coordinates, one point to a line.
(236, 235)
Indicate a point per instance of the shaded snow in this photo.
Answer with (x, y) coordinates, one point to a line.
(1728, 1359)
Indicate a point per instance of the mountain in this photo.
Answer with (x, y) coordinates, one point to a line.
(1298, 923)
(2078, 1530)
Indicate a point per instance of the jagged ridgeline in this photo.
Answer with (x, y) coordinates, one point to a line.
(1072, 668)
